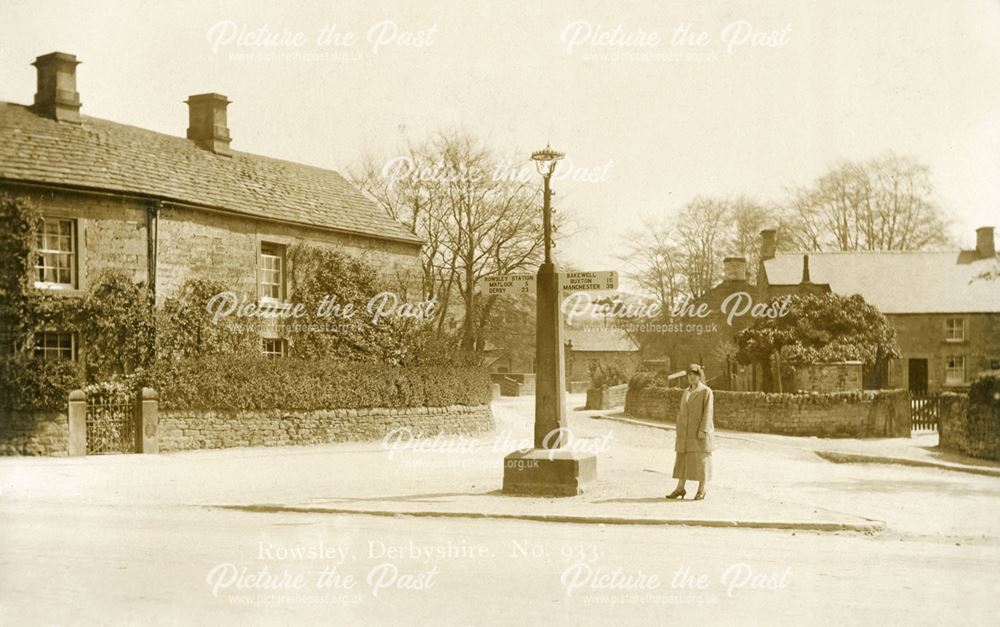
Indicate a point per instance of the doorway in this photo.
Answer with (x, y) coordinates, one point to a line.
(917, 376)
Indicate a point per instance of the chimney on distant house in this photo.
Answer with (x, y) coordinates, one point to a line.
(56, 96)
(735, 269)
(805, 269)
(768, 244)
(985, 244)
(207, 124)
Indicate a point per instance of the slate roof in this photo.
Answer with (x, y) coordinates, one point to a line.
(599, 340)
(898, 282)
(103, 155)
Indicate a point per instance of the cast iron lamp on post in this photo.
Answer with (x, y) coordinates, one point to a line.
(546, 162)
(550, 468)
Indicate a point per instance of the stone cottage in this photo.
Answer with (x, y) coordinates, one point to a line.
(946, 315)
(167, 209)
(947, 318)
(589, 347)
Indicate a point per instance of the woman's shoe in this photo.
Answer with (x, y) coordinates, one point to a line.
(700, 496)
(677, 494)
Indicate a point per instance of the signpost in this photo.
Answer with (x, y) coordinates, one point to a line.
(515, 284)
(588, 281)
(508, 284)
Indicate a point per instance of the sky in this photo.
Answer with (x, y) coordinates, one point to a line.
(654, 102)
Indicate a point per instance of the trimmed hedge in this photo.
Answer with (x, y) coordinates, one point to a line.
(28, 383)
(223, 382)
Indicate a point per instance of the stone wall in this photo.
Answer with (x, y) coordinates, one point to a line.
(969, 428)
(187, 430)
(29, 433)
(882, 413)
(112, 234)
(843, 376)
(607, 397)
(204, 244)
(514, 384)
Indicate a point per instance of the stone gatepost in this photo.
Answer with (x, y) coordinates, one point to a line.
(147, 437)
(77, 413)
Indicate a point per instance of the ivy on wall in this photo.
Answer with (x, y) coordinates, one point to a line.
(185, 328)
(28, 383)
(122, 337)
(113, 321)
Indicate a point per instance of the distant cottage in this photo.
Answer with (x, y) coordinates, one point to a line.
(167, 209)
(947, 319)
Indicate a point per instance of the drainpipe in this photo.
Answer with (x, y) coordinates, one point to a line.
(152, 246)
(152, 241)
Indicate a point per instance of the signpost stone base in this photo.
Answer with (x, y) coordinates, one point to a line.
(548, 472)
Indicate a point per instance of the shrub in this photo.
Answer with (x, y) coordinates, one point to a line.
(250, 383)
(28, 383)
(640, 381)
(604, 374)
(986, 391)
(117, 326)
(185, 329)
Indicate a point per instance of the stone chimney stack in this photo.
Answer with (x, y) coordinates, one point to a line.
(735, 269)
(56, 96)
(985, 244)
(805, 269)
(768, 244)
(207, 124)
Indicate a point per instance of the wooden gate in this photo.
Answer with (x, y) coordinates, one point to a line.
(925, 410)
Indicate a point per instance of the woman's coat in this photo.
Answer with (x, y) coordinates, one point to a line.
(694, 417)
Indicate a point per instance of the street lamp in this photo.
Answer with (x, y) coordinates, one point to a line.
(551, 468)
(546, 161)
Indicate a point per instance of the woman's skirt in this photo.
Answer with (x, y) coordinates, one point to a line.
(693, 466)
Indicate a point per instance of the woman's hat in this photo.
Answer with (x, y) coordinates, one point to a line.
(695, 368)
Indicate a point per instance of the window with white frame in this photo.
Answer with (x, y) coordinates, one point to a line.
(954, 370)
(954, 329)
(272, 272)
(50, 345)
(274, 347)
(55, 265)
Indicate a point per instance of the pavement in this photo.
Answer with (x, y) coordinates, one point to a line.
(761, 481)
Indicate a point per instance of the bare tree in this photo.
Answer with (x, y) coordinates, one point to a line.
(681, 255)
(474, 222)
(880, 204)
(654, 261)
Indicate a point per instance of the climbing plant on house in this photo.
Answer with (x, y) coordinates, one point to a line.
(27, 382)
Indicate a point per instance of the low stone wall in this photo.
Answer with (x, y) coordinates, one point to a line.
(970, 428)
(607, 397)
(28, 433)
(882, 413)
(514, 384)
(187, 430)
(842, 376)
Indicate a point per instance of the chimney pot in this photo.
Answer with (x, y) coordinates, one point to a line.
(985, 244)
(768, 244)
(735, 269)
(56, 96)
(207, 123)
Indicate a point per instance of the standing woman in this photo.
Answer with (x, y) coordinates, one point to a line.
(695, 435)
